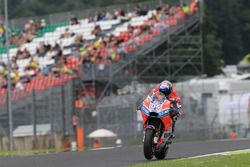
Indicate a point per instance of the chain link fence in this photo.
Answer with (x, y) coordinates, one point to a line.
(41, 120)
(209, 113)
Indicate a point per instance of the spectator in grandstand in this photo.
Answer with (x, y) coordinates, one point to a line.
(26, 78)
(42, 50)
(97, 31)
(28, 32)
(15, 77)
(109, 16)
(119, 13)
(33, 65)
(14, 38)
(104, 50)
(139, 11)
(19, 85)
(24, 54)
(78, 43)
(66, 34)
(185, 9)
(144, 10)
(29, 25)
(154, 23)
(29, 36)
(2, 66)
(2, 80)
(61, 69)
(99, 16)
(2, 30)
(73, 20)
(42, 24)
(193, 6)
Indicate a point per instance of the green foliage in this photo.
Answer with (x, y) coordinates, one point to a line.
(240, 160)
(212, 54)
(232, 20)
(212, 46)
(245, 27)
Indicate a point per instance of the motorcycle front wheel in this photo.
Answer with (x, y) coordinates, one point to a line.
(149, 144)
(161, 154)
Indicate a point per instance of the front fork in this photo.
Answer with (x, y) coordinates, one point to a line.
(157, 135)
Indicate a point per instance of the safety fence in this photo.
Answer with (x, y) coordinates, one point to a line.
(40, 118)
(208, 113)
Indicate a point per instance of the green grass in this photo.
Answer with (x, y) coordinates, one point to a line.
(234, 160)
(246, 151)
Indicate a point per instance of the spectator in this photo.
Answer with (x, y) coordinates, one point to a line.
(138, 10)
(28, 25)
(102, 51)
(66, 33)
(33, 65)
(26, 78)
(97, 143)
(73, 21)
(19, 86)
(15, 78)
(2, 30)
(109, 16)
(144, 11)
(233, 135)
(43, 23)
(78, 42)
(99, 16)
(97, 31)
(185, 9)
(193, 6)
(14, 38)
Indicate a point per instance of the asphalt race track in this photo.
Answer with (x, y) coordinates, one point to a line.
(121, 156)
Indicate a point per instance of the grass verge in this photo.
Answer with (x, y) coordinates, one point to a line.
(232, 160)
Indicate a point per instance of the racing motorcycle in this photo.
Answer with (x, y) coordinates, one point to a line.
(157, 124)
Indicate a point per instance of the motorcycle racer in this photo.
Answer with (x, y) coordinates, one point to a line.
(166, 88)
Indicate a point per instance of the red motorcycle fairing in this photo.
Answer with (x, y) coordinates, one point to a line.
(167, 121)
(165, 118)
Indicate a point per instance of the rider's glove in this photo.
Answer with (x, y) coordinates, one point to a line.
(175, 118)
(176, 110)
(139, 107)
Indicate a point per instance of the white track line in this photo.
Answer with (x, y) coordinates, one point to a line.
(102, 148)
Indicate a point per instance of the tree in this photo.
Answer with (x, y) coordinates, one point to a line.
(245, 25)
(212, 46)
(212, 54)
(226, 16)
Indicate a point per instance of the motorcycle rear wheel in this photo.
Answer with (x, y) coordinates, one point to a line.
(148, 144)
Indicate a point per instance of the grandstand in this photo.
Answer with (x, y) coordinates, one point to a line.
(93, 57)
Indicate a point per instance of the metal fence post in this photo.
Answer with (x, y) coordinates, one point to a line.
(63, 109)
(34, 118)
(51, 120)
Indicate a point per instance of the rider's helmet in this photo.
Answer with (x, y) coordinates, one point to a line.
(165, 87)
